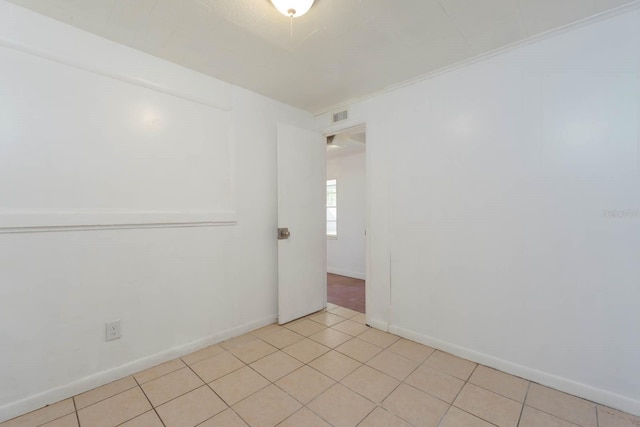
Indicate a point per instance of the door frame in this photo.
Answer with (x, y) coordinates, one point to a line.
(345, 127)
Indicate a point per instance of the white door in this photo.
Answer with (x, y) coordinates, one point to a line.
(302, 265)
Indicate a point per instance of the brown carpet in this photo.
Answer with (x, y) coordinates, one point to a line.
(345, 292)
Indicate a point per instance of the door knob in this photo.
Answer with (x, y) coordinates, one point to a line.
(283, 233)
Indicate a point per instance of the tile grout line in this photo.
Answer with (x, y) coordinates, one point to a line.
(305, 405)
(523, 403)
(109, 397)
(459, 391)
(236, 370)
(76, 410)
(557, 416)
(467, 381)
(153, 408)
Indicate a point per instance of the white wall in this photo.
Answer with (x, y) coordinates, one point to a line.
(174, 288)
(488, 186)
(346, 254)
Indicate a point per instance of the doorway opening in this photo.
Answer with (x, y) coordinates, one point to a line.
(346, 218)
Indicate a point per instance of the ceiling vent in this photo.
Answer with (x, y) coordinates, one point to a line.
(340, 116)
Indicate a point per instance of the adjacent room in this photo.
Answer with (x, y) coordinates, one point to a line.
(319, 213)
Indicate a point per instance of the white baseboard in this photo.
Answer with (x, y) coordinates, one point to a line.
(377, 324)
(57, 394)
(347, 273)
(604, 397)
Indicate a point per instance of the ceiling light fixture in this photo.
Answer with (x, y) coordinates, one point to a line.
(293, 8)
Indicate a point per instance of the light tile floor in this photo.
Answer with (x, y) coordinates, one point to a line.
(328, 369)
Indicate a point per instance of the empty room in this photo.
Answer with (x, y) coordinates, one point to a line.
(182, 180)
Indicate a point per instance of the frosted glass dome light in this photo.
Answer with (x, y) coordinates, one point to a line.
(293, 8)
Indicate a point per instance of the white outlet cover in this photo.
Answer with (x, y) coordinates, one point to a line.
(113, 330)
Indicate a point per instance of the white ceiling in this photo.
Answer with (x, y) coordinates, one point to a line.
(353, 142)
(341, 49)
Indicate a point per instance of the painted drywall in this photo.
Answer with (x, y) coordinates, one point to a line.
(503, 203)
(346, 253)
(174, 289)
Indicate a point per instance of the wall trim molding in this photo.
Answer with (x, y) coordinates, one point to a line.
(46, 221)
(604, 397)
(90, 382)
(347, 273)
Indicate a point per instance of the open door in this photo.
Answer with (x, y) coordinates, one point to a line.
(302, 253)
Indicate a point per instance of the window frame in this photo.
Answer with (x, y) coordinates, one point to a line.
(331, 183)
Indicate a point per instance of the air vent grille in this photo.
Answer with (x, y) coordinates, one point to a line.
(340, 116)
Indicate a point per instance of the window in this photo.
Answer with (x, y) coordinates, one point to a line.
(332, 208)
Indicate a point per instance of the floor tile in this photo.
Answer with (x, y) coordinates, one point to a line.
(237, 385)
(357, 349)
(267, 407)
(191, 409)
(382, 418)
(305, 384)
(159, 370)
(458, 418)
(608, 417)
(435, 383)
(489, 406)
(350, 327)
(226, 418)
(304, 418)
(335, 365)
(283, 338)
(70, 420)
(252, 351)
(411, 350)
(393, 364)
(170, 386)
(115, 410)
(532, 417)
(276, 365)
(562, 405)
(344, 312)
(326, 319)
(148, 419)
(237, 341)
(370, 383)
(305, 327)
(431, 379)
(266, 330)
(306, 350)
(203, 354)
(97, 394)
(341, 406)
(499, 382)
(360, 318)
(378, 338)
(331, 306)
(450, 364)
(415, 406)
(42, 415)
(217, 366)
(330, 337)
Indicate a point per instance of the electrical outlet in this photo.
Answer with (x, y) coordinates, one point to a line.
(113, 330)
